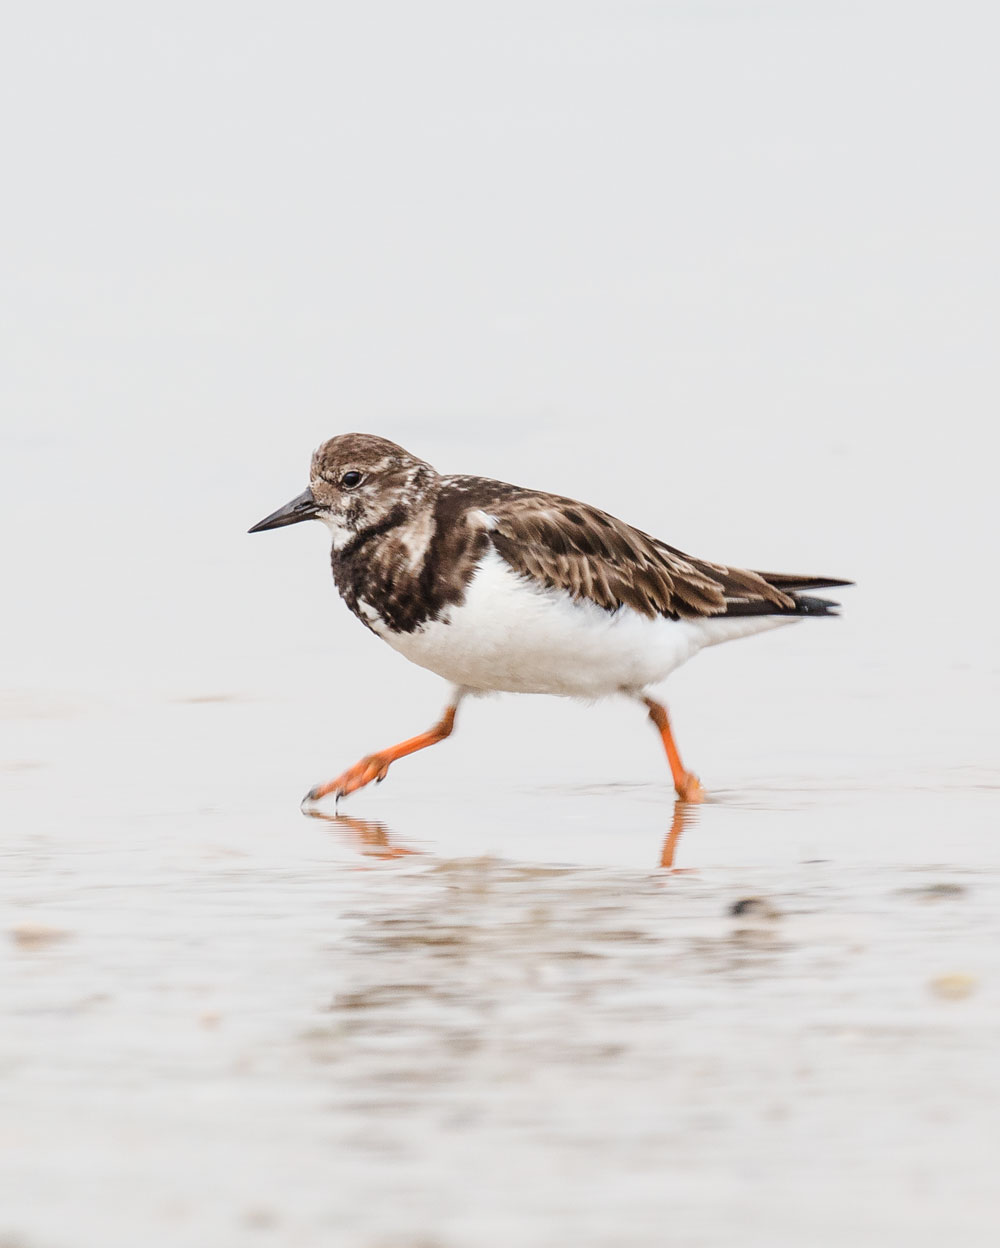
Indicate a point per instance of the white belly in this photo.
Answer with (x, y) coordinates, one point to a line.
(512, 636)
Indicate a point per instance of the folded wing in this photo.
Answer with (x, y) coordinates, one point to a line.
(593, 556)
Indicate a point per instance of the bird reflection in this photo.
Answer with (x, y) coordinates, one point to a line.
(374, 839)
(371, 837)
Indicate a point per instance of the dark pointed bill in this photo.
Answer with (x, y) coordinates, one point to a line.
(304, 507)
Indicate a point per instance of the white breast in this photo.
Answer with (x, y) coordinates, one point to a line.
(514, 636)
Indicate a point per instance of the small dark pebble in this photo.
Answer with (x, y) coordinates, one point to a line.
(754, 908)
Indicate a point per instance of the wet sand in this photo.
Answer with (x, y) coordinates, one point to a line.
(482, 1014)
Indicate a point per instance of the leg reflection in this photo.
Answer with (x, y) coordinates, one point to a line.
(685, 814)
(373, 838)
(370, 836)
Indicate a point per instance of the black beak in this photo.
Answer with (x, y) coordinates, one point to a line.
(304, 507)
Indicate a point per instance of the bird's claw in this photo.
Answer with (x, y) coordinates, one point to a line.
(373, 767)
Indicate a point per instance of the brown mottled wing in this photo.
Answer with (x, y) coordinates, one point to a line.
(566, 545)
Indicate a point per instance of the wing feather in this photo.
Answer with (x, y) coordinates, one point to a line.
(593, 556)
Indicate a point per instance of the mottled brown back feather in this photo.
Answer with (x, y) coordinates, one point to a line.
(564, 544)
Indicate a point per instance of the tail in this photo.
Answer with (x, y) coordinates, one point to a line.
(803, 604)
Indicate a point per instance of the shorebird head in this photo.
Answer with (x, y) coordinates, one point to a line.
(357, 482)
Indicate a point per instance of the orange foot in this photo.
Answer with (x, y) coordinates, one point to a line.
(374, 766)
(371, 767)
(689, 788)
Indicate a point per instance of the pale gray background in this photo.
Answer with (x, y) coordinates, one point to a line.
(729, 270)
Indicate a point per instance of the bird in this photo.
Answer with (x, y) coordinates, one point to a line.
(500, 588)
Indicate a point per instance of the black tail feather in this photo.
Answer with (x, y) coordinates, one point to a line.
(804, 605)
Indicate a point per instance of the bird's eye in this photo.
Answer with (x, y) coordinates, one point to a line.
(350, 479)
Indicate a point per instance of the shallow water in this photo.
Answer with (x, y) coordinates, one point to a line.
(467, 1012)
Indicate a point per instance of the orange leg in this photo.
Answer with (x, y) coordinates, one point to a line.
(686, 783)
(374, 766)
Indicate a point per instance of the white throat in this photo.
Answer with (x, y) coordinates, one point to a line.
(340, 533)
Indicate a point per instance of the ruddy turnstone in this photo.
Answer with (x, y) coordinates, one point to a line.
(503, 589)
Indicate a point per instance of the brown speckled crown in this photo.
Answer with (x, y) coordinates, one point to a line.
(418, 538)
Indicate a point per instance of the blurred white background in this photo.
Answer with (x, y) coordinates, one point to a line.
(727, 269)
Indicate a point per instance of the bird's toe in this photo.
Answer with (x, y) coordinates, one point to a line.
(690, 789)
